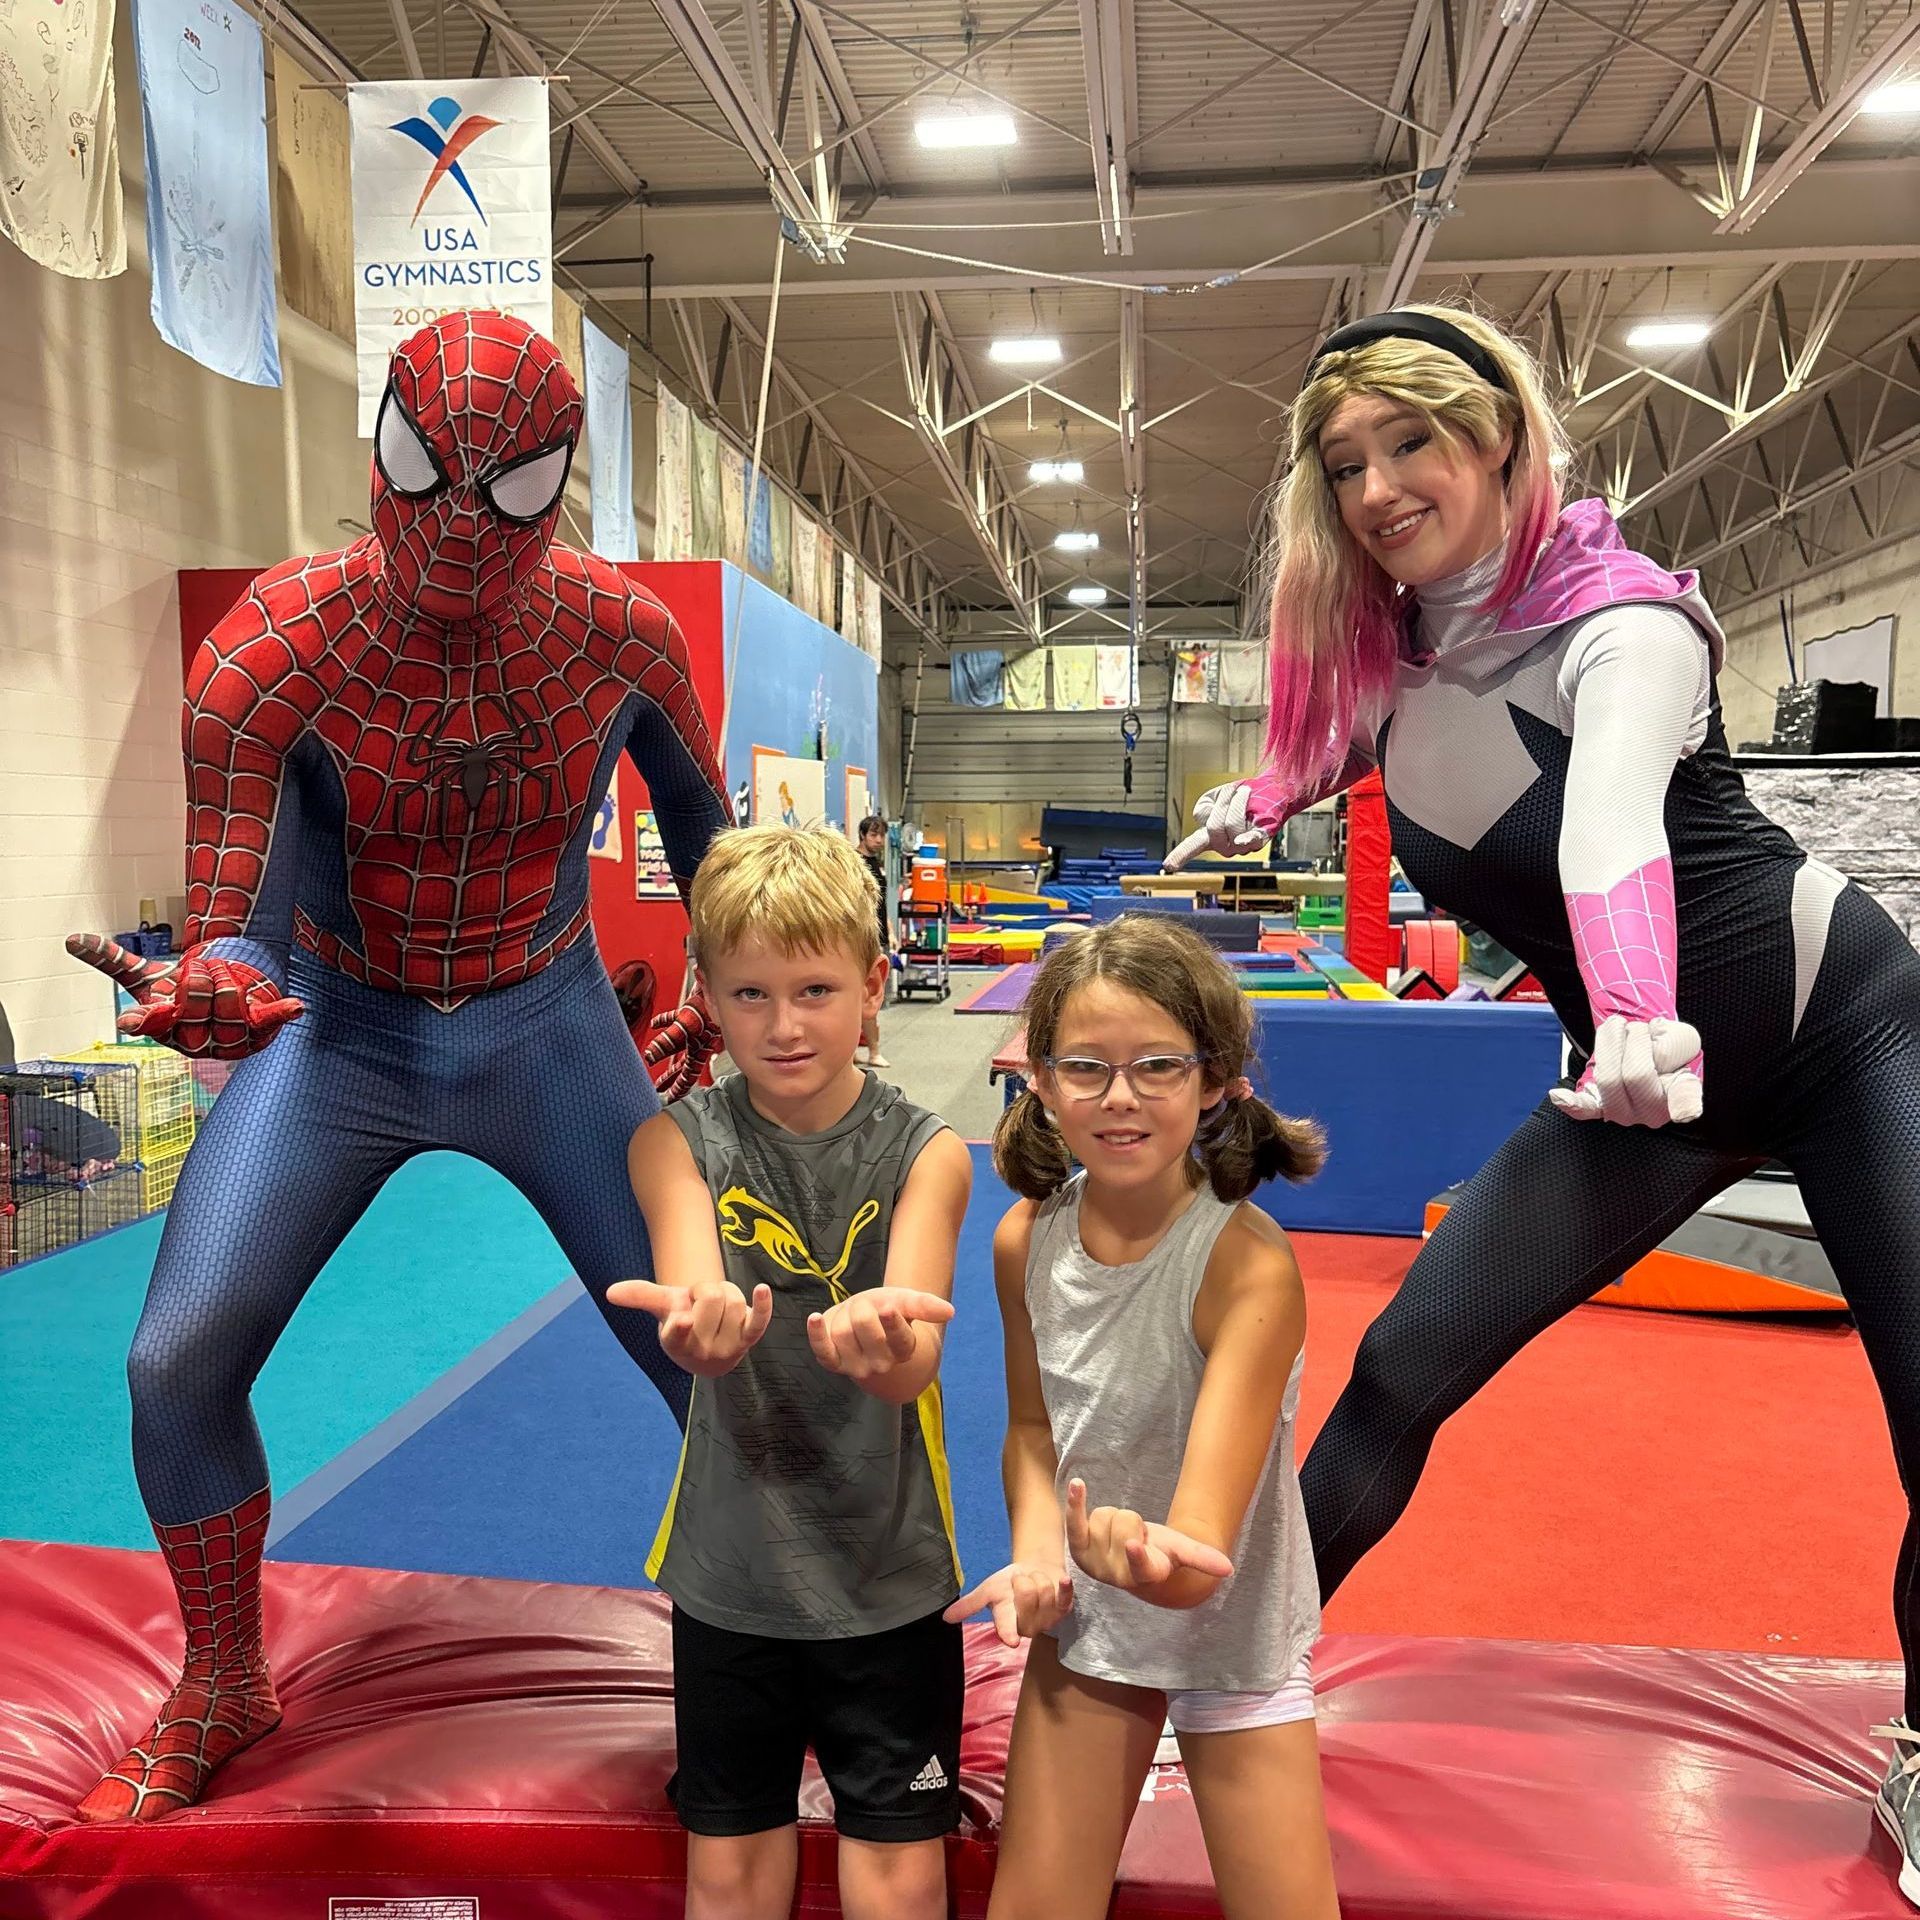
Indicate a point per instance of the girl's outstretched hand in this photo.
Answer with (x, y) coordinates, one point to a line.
(1023, 1597)
(1116, 1545)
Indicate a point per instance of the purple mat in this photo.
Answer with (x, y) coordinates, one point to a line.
(1004, 993)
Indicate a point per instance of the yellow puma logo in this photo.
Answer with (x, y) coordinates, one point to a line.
(747, 1222)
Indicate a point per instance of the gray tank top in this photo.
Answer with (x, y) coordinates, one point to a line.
(804, 1508)
(1120, 1371)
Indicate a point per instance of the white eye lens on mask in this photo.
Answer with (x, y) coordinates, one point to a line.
(405, 460)
(527, 490)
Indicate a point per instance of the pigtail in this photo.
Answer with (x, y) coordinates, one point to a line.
(1246, 1143)
(1028, 1152)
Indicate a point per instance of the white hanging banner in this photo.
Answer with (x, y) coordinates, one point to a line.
(60, 201)
(451, 209)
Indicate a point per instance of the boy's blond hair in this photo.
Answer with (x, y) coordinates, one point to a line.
(800, 889)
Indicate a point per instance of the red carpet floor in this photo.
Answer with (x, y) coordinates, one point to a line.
(1651, 1479)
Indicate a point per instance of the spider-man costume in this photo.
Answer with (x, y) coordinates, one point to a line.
(395, 756)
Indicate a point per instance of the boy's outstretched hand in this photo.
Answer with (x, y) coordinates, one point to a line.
(706, 1327)
(1024, 1599)
(871, 1334)
(1116, 1545)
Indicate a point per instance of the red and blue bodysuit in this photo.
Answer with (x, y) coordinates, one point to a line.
(395, 756)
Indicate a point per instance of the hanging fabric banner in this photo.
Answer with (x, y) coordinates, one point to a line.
(806, 564)
(570, 334)
(60, 200)
(610, 443)
(760, 526)
(203, 98)
(673, 479)
(706, 493)
(1195, 675)
(1027, 681)
(313, 204)
(826, 581)
(780, 572)
(1243, 675)
(733, 504)
(1073, 679)
(451, 209)
(1113, 674)
(849, 621)
(975, 677)
(872, 613)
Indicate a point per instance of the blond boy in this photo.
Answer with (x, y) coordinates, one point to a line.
(804, 1216)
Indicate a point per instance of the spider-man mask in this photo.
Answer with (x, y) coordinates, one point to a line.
(470, 457)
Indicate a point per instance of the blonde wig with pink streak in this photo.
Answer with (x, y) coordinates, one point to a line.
(1336, 615)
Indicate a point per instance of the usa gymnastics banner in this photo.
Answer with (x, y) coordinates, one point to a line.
(451, 209)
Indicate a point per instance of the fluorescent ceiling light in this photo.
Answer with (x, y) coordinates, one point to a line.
(1043, 471)
(1668, 333)
(1903, 96)
(1092, 595)
(1075, 541)
(1025, 350)
(966, 130)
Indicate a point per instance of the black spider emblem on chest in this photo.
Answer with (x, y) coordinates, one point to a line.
(465, 788)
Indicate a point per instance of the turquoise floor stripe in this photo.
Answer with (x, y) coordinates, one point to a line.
(447, 1256)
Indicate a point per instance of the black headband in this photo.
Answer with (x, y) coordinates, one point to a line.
(1403, 324)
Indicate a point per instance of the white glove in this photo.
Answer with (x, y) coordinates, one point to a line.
(1223, 826)
(1644, 1073)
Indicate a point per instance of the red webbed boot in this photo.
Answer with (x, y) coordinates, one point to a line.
(224, 1700)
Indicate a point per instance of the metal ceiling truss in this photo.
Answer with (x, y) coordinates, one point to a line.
(748, 102)
(1501, 31)
(962, 453)
(830, 479)
(1739, 193)
(1107, 48)
(1801, 481)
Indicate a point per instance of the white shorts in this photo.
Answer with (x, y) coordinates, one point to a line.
(1236, 1712)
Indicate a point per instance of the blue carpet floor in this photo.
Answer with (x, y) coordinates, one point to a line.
(555, 1463)
(446, 1256)
(446, 1398)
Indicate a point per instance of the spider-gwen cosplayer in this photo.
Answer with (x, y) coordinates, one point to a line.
(1541, 701)
(395, 755)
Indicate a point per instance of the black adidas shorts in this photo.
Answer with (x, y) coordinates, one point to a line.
(881, 1713)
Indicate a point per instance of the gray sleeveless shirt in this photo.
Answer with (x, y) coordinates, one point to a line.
(1120, 1371)
(804, 1508)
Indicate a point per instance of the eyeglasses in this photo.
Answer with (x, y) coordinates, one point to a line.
(1154, 1076)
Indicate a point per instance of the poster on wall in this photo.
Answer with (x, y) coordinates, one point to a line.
(652, 876)
(604, 842)
(788, 789)
(673, 480)
(451, 209)
(859, 799)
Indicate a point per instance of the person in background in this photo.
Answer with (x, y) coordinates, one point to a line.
(873, 850)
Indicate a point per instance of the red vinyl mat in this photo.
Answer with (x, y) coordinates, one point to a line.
(464, 1749)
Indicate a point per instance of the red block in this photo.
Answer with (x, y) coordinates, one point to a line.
(502, 1749)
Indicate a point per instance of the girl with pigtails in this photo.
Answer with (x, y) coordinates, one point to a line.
(1154, 1326)
(1541, 702)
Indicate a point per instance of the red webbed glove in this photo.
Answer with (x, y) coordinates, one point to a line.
(200, 1005)
(679, 1046)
